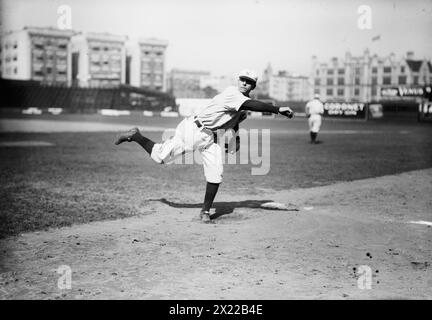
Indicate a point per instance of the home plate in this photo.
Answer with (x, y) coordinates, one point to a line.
(422, 222)
(26, 144)
(277, 206)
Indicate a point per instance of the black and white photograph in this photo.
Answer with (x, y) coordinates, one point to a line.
(196, 150)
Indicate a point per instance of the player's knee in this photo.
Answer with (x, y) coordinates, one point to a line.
(214, 177)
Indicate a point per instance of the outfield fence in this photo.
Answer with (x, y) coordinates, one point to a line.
(32, 94)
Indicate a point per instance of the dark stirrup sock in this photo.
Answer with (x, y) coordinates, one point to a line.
(144, 142)
(313, 136)
(210, 194)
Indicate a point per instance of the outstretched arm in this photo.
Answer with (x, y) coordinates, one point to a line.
(256, 105)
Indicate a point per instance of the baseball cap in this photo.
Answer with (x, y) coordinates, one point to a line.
(316, 96)
(248, 74)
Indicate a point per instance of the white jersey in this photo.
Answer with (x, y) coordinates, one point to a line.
(223, 110)
(314, 107)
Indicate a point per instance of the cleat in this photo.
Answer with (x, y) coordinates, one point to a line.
(205, 216)
(127, 136)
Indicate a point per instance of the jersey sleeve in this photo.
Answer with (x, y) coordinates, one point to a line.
(233, 99)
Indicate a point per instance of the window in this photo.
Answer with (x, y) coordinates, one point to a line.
(329, 92)
(387, 69)
(356, 91)
(341, 71)
(341, 81)
(48, 70)
(402, 79)
(317, 73)
(357, 71)
(317, 91)
(317, 81)
(374, 80)
(374, 91)
(330, 71)
(374, 70)
(357, 81)
(15, 70)
(415, 80)
(329, 82)
(386, 80)
(340, 92)
(402, 69)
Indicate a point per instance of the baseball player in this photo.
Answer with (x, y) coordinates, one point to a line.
(314, 109)
(225, 111)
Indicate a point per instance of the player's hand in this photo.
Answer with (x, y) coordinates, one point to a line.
(286, 111)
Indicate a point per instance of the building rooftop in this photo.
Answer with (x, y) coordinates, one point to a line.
(48, 31)
(197, 72)
(414, 65)
(105, 37)
(153, 41)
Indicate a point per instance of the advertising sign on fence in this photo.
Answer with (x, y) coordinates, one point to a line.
(356, 110)
(425, 111)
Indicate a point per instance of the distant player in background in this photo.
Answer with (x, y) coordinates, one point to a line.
(314, 110)
(225, 111)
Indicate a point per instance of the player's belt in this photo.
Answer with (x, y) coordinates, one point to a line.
(201, 126)
(198, 123)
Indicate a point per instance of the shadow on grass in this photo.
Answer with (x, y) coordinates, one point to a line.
(222, 208)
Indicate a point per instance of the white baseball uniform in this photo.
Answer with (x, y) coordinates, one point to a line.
(221, 113)
(315, 109)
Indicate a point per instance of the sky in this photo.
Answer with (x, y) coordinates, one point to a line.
(225, 36)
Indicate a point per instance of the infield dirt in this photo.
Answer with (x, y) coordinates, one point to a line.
(249, 253)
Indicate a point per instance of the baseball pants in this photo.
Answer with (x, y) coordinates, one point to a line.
(314, 123)
(188, 138)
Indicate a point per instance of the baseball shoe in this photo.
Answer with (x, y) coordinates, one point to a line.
(127, 136)
(205, 216)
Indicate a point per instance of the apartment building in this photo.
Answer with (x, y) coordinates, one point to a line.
(98, 59)
(362, 78)
(146, 64)
(40, 54)
(283, 86)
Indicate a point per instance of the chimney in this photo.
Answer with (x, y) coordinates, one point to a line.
(410, 55)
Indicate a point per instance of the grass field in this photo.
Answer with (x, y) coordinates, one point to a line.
(84, 177)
